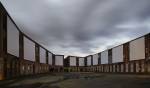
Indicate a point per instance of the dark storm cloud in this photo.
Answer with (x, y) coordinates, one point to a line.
(81, 27)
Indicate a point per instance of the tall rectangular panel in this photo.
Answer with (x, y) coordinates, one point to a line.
(104, 57)
(137, 49)
(95, 59)
(50, 58)
(42, 55)
(73, 61)
(29, 49)
(59, 60)
(89, 60)
(117, 54)
(12, 38)
(81, 61)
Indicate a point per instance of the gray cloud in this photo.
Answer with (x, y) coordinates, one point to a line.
(81, 27)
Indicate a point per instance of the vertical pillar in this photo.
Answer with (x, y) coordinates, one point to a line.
(110, 56)
(85, 64)
(77, 61)
(68, 61)
(37, 53)
(53, 60)
(21, 46)
(109, 59)
(126, 52)
(47, 57)
(147, 53)
(85, 61)
(21, 53)
(147, 47)
(99, 62)
(126, 57)
(91, 60)
(63, 61)
(99, 58)
(45, 67)
(37, 59)
(3, 42)
(92, 67)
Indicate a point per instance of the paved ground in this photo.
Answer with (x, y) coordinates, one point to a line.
(76, 80)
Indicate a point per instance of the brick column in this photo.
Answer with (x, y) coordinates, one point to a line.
(126, 52)
(126, 57)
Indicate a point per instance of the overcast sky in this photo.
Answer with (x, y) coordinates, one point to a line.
(80, 27)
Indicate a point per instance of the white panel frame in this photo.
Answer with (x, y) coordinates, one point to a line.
(42, 55)
(117, 54)
(89, 60)
(29, 49)
(50, 58)
(137, 49)
(12, 38)
(73, 61)
(95, 59)
(81, 61)
(59, 60)
(104, 57)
